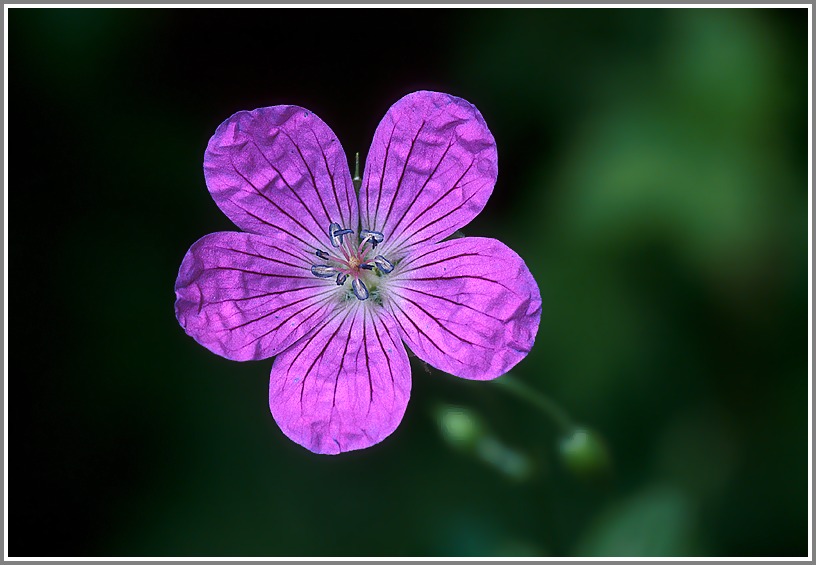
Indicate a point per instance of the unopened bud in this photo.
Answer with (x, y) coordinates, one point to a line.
(460, 426)
(585, 454)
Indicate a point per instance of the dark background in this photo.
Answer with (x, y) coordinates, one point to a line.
(652, 172)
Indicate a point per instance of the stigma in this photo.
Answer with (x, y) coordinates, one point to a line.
(352, 260)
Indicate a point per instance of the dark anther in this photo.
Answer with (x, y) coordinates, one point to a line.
(359, 288)
(383, 264)
(323, 271)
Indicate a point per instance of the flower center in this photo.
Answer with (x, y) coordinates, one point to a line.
(352, 258)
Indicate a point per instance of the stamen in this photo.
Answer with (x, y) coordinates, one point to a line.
(336, 234)
(333, 228)
(344, 251)
(366, 236)
(374, 236)
(383, 264)
(359, 288)
(351, 261)
(323, 271)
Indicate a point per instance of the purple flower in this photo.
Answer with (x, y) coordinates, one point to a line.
(333, 283)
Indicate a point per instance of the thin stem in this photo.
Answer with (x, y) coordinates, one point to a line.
(362, 244)
(345, 253)
(539, 400)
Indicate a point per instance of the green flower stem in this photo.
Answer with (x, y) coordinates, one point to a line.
(357, 181)
(540, 401)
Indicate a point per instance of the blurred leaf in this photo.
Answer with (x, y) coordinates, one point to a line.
(655, 522)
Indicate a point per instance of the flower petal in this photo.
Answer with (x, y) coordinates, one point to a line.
(430, 170)
(280, 171)
(345, 386)
(468, 306)
(245, 296)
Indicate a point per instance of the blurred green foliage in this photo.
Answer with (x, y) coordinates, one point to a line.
(653, 174)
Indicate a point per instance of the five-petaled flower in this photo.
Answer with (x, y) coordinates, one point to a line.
(333, 283)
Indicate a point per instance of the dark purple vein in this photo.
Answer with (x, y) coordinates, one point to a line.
(440, 261)
(259, 256)
(290, 254)
(318, 305)
(438, 200)
(402, 175)
(278, 309)
(438, 219)
(385, 353)
(247, 271)
(439, 323)
(368, 364)
(451, 277)
(407, 317)
(418, 192)
(281, 210)
(264, 295)
(320, 355)
(289, 186)
(331, 177)
(311, 175)
(382, 177)
(342, 362)
(446, 299)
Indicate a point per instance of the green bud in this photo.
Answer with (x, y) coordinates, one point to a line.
(460, 426)
(585, 454)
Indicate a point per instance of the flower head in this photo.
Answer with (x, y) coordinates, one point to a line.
(333, 283)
